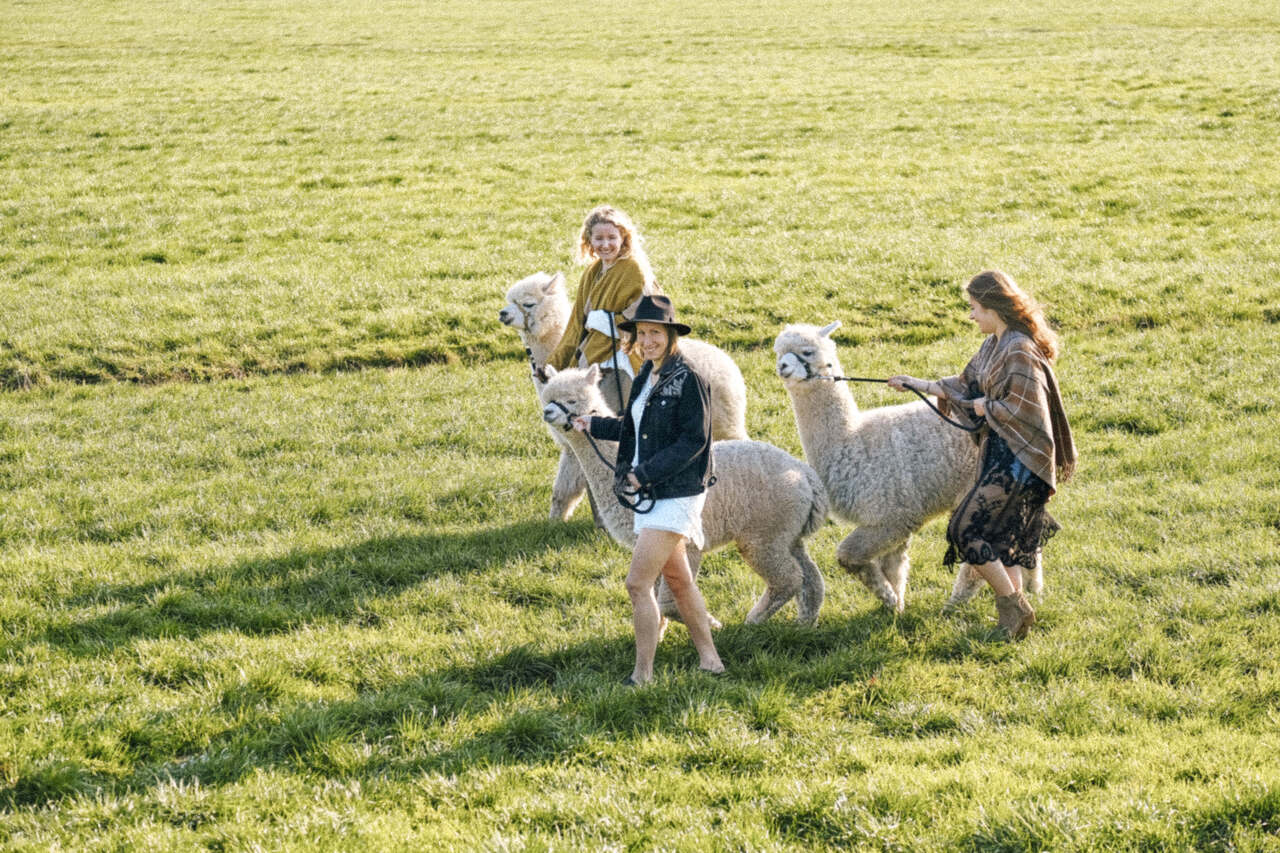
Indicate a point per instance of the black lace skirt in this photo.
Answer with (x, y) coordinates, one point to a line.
(1003, 517)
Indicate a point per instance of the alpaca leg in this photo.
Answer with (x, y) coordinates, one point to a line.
(1033, 578)
(966, 586)
(857, 554)
(812, 587)
(895, 566)
(569, 487)
(783, 579)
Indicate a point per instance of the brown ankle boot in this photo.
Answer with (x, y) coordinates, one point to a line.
(1015, 614)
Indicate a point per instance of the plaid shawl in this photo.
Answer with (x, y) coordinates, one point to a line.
(1023, 404)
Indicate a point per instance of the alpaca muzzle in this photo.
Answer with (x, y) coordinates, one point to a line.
(556, 414)
(792, 366)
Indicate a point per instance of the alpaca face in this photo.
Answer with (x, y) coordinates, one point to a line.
(805, 352)
(531, 300)
(569, 393)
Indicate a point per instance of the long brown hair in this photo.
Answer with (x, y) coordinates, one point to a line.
(998, 292)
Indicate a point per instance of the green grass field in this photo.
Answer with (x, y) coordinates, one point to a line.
(276, 568)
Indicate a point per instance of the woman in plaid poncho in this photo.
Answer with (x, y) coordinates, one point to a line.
(1009, 388)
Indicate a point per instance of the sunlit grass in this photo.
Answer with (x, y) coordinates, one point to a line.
(310, 600)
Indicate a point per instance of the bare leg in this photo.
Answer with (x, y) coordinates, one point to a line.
(1015, 577)
(660, 552)
(995, 574)
(692, 607)
(667, 602)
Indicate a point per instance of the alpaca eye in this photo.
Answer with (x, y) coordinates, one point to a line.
(571, 401)
(530, 304)
(808, 353)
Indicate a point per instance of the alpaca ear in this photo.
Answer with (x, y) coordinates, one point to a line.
(549, 371)
(825, 331)
(593, 374)
(556, 283)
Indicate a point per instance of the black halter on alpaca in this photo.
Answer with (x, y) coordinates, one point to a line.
(809, 374)
(632, 499)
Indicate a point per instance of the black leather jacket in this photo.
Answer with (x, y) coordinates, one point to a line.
(675, 432)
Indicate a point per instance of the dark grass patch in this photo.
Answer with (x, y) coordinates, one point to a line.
(1132, 423)
(529, 736)
(1220, 825)
(50, 781)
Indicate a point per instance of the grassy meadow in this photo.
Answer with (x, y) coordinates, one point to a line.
(276, 568)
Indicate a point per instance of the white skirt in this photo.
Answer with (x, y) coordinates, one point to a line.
(677, 515)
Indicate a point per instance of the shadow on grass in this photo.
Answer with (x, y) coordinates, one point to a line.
(523, 706)
(275, 595)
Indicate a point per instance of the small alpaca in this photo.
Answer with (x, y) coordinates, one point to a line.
(887, 470)
(764, 500)
(538, 308)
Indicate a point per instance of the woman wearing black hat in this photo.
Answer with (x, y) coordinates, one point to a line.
(664, 458)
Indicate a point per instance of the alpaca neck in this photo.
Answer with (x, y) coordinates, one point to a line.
(541, 347)
(826, 417)
(616, 518)
(551, 326)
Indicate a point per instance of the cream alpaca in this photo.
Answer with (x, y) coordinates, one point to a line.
(538, 308)
(764, 500)
(887, 470)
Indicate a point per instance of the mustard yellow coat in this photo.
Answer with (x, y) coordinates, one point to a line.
(613, 291)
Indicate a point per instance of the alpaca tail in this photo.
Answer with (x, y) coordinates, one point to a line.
(813, 588)
(819, 504)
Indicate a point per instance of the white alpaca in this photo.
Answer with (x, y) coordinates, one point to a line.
(887, 470)
(764, 500)
(538, 308)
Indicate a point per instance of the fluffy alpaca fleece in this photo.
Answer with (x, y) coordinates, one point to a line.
(887, 470)
(764, 500)
(538, 308)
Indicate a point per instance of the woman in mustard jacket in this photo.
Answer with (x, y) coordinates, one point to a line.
(618, 275)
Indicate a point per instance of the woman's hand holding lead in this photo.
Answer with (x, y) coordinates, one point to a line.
(581, 423)
(903, 382)
(632, 481)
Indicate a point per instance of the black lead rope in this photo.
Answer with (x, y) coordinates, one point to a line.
(640, 495)
(956, 424)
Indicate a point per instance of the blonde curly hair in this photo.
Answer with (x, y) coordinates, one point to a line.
(632, 242)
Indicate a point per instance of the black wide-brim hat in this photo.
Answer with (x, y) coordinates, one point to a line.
(652, 309)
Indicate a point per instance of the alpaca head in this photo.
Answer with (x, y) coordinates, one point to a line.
(535, 303)
(805, 352)
(571, 392)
